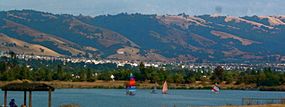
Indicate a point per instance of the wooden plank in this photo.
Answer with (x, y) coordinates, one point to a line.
(25, 98)
(5, 98)
(49, 98)
(30, 98)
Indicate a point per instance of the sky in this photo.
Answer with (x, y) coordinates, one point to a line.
(160, 7)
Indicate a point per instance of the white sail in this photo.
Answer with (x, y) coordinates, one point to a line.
(215, 89)
(164, 88)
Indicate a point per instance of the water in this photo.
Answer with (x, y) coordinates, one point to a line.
(143, 98)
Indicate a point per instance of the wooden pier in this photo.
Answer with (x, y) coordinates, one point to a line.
(258, 101)
(27, 87)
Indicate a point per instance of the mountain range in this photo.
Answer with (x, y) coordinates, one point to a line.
(163, 38)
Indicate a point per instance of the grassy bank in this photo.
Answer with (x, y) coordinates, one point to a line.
(148, 85)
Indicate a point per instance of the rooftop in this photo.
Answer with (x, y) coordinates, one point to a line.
(26, 86)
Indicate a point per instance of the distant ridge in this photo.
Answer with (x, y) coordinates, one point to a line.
(165, 38)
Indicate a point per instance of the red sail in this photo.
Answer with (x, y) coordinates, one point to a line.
(132, 82)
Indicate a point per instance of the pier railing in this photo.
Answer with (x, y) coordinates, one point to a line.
(257, 101)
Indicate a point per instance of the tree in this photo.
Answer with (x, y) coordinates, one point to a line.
(170, 78)
(48, 75)
(14, 73)
(60, 74)
(142, 70)
(3, 67)
(218, 74)
(154, 77)
(24, 73)
(229, 77)
(282, 78)
(83, 75)
(261, 78)
(272, 79)
(90, 76)
(39, 75)
(178, 78)
(104, 76)
(13, 57)
(162, 75)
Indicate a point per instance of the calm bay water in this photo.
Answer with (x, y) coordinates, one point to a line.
(143, 98)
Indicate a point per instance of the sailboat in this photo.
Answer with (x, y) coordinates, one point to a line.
(153, 91)
(164, 88)
(131, 87)
(215, 89)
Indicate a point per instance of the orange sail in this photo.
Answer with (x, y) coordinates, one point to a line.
(132, 82)
(164, 88)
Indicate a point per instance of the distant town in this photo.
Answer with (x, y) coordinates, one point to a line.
(206, 67)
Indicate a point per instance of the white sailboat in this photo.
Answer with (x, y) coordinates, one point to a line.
(164, 88)
(215, 89)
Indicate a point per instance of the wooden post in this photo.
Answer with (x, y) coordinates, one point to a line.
(25, 98)
(5, 98)
(30, 98)
(49, 98)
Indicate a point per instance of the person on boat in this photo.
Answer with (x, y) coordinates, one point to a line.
(131, 93)
(12, 103)
(153, 91)
(126, 87)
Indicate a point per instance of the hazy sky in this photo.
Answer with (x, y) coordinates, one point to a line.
(191, 7)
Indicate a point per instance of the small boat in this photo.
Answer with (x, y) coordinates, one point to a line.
(164, 88)
(153, 91)
(131, 87)
(215, 89)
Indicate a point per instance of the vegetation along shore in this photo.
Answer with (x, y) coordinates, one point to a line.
(148, 85)
(70, 75)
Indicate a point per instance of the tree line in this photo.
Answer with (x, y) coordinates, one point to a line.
(11, 69)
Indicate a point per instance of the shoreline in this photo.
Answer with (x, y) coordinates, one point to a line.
(99, 84)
